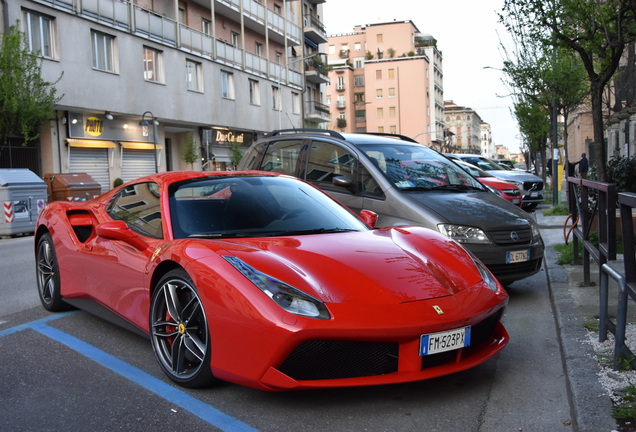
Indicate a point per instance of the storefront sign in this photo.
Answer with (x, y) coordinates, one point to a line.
(94, 126)
(228, 137)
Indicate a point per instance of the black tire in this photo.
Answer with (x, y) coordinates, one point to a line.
(530, 207)
(48, 276)
(179, 331)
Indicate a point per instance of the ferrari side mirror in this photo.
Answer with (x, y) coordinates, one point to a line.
(119, 230)
(369, 217)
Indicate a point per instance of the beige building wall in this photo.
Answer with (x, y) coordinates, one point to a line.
(390, 95)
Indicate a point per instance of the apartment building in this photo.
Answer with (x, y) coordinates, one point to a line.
(487, 146)
(465, 124)
(388, 78)
(143, 79)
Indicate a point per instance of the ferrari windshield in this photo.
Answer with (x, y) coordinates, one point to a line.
(255, 206)
(416, 167)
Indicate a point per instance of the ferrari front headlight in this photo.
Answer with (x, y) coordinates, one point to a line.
(286, 296)
(464, 234)
(485, 274)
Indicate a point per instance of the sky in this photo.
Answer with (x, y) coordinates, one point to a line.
(468, 35)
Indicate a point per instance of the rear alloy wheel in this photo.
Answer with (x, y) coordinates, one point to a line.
(48, 276)
(179, 331)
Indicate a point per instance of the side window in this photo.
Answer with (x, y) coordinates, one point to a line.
(327, 161)
(368, 186)
(138, 205)
(282, 157)
(253, 159)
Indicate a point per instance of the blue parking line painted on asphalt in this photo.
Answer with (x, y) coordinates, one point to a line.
(30, 324)
(158, 387)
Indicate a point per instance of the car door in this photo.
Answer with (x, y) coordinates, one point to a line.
(118, 276)
(327, 161)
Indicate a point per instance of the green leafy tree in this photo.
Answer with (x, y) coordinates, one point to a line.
(236, 153)
(26, 99)
(596, 30)
(534, 125)
(189, 150)
(540, 74)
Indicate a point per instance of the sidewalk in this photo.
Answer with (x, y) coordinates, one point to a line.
(573, 307)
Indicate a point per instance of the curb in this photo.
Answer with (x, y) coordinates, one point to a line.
(591, 406)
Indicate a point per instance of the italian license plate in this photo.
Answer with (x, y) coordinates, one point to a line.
(517, 256)
(444, 341)
(515, 201)
(534, 194)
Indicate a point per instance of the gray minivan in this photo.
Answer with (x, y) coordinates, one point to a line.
(406, 183)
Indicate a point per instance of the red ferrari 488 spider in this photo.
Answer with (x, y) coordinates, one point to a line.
(263, 280)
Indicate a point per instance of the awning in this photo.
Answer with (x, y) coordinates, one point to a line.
(90, 143)
(311, 44)
(139, 146)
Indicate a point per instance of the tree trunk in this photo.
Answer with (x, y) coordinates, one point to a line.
(596, 91)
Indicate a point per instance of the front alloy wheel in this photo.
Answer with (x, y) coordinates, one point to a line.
(48, 276)
(179, 331)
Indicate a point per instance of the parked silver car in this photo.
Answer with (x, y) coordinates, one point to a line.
(406, 183)
(531, 186)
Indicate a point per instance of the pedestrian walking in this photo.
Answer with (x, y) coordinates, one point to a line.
(583, 166)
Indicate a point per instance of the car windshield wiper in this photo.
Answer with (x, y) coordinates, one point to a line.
(459, 188)
(224, 234)
(416, 188)
(308, 231)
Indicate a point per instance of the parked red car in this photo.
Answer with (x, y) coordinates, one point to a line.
(502, 188)
(263, 280)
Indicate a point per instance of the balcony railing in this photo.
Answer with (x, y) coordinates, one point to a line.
(128, 17)
(341, 104)
(314, 23)
(340, 87)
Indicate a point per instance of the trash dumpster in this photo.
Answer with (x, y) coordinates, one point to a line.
(23, 196)
(71, 187)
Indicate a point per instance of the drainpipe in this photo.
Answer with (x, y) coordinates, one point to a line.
(5, 7)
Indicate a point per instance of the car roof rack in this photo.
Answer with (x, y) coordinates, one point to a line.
(391, 135)
(305, 130)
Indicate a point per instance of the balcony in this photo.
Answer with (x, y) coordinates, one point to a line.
(255, 16)
(340, 87)
(317, 112)
(316, 70)
(314, 30)
(147, 24)
(344, 53)
(342, 123)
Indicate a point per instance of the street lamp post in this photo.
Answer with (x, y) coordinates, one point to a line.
(144, 122)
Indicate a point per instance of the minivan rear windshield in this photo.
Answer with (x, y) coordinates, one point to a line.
(415, 167)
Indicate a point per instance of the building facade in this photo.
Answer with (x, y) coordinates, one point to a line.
(487, 146)
(141, 81)
(387, 78)
(465, 123)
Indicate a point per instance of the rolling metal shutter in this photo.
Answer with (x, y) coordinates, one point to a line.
(137, 163)
(92, 161)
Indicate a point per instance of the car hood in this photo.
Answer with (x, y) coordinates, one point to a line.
(483, 210)
(519, 176)
(384, 266)
(497, 183)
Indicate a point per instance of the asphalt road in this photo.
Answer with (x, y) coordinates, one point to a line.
(75, 372)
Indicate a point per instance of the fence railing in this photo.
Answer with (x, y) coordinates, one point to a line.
(626, 286)
(604, 213)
